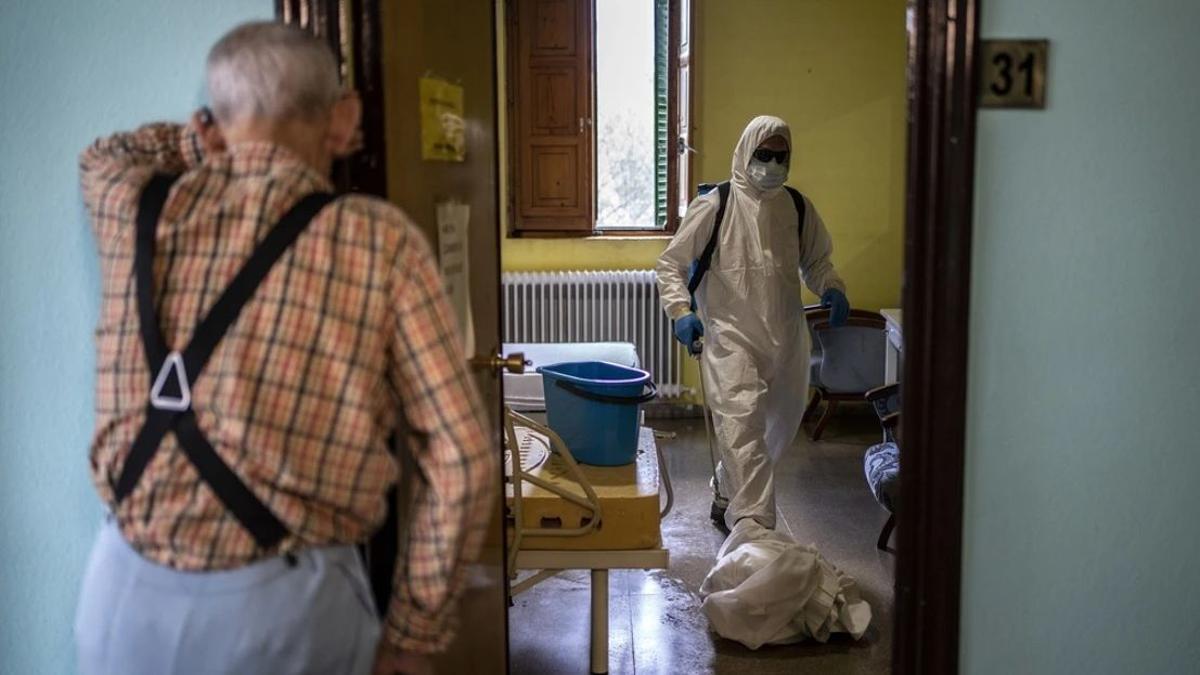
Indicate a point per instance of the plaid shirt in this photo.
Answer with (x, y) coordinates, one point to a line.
(349, 338)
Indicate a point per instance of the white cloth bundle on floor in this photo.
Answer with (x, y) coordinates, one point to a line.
(768, 589)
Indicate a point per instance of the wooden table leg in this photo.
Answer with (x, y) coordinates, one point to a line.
(599, 621)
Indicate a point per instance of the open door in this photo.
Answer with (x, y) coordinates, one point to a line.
(450, 42)
(385, 50)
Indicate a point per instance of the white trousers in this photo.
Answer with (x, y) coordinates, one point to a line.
(756, 403)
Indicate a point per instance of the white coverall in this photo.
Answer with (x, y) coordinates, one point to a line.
(756, 354)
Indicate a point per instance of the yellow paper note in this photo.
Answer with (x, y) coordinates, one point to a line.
(443, 136)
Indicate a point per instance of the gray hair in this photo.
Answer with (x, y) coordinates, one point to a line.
(270, 70)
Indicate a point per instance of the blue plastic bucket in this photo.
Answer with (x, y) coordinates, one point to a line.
(594, 406)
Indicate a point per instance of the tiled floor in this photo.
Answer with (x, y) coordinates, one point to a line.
(655, 621)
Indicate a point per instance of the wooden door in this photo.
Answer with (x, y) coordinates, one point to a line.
(384, 49)
(454, 41)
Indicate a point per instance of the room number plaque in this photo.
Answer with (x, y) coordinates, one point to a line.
(1013, 74)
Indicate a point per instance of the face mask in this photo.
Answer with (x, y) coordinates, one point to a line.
(766, 175)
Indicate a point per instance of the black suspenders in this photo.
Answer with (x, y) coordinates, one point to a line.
(174, 372)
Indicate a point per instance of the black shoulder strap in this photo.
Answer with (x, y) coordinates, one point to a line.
(798, 200)
(150, 206)
(176, 413)
(705, 260)
(225, 311)
(702, 265)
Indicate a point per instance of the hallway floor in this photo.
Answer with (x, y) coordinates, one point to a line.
(655, 621)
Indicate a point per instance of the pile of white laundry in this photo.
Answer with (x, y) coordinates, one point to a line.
(767, 589)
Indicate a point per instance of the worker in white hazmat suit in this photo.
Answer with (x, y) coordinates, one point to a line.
(755, 359)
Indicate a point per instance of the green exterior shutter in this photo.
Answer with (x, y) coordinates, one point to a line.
(662, 110)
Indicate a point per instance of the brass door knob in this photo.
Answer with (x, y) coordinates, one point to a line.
(513, 363)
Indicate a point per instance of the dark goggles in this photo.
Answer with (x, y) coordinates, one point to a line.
(764, 155)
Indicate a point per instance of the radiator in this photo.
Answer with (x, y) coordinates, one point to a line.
(601, 306)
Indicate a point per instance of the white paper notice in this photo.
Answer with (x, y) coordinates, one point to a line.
(453, 219)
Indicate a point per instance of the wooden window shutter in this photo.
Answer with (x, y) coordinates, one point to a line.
(550, 106)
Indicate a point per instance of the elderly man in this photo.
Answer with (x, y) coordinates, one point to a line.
(747, 245)
(259, 342)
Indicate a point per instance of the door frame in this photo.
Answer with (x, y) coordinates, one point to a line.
(352, 29)
(943, 37)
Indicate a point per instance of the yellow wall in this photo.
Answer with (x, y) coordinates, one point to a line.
(835, 71)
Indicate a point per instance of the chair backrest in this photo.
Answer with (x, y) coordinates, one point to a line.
(814, 314)
(886, 402)
(852, 355)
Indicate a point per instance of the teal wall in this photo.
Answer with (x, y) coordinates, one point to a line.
(1082, 540)
(70, 71)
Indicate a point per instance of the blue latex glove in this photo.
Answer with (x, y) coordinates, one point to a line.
(689, 330)
(839, 306)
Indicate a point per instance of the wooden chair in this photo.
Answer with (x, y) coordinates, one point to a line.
(848, 361)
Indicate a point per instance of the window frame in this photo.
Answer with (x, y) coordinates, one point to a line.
(679, 157)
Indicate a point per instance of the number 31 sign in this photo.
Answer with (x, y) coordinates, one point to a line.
(1013, 74)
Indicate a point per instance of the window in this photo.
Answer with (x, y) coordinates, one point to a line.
(627, 82)
(598, 113)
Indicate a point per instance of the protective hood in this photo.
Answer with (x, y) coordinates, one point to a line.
(758, 130)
